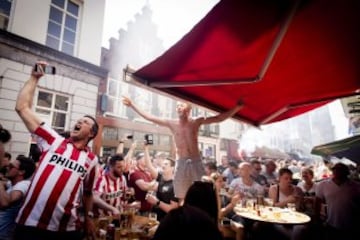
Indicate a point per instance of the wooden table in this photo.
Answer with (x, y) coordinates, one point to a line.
(142, 228)
(272, 215)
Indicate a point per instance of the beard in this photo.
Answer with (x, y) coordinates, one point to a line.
(116, 174)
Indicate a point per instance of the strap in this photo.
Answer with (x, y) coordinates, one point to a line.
(277, 193)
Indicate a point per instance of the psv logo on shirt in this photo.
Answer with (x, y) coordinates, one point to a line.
(68, 164)
(112, 195)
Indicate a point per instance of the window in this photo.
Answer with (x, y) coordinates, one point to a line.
(5, 8)
(115, 90)
(143, 98)
(108, 151)
(209, 150)
(53, 108)
(164, 140)
(110, 133)
(165, 106)
(63, 25)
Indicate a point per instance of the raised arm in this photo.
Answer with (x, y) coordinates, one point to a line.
(149, 164)
(129, 155)
(120, 147)
(25, 99)
(222, 116)
(147, 116)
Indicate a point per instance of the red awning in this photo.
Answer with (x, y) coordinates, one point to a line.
(280, 57)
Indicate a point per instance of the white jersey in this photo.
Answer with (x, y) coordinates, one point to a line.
(56, 189)
(111, 190)
(252, 191)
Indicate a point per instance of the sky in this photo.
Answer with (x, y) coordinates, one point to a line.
(174, 18)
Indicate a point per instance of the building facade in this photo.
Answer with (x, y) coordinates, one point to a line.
(67, 35)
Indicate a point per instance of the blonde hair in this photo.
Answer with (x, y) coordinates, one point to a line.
(215, 176)
(188, 104)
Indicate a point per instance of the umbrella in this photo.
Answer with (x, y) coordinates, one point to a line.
(280, 57)
(346, 148)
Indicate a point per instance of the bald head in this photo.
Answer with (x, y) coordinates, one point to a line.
(245, 169)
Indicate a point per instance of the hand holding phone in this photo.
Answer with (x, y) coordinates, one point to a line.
(46, 69)
(149, 139)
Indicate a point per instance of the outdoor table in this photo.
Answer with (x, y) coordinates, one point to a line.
(141, 228)
(272, 215)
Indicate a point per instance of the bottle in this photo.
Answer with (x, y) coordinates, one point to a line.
(110, 232)
(260, 200)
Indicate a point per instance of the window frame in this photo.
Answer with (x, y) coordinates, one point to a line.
(8, 17)
(144, 99)
(63, 27)
(118, 108)
(52, 108)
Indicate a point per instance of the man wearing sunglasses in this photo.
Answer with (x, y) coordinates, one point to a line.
(18, 172)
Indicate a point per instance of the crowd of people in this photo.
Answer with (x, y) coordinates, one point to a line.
(58, 196)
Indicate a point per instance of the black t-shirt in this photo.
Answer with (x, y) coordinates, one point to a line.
(165, 193)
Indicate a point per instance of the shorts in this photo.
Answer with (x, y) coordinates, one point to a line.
(186, 172)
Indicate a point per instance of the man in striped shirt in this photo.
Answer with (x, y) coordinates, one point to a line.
(63, 179)
(110, 188)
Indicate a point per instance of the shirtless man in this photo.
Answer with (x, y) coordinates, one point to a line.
(188, 167)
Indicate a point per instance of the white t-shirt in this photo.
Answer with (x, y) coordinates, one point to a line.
(8, 214)
(343, 203)
(250, 191)
(310, 192)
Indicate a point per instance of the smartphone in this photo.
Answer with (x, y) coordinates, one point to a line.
(48, 69)
(225, 222)
(149, 139)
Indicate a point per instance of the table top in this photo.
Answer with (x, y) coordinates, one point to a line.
(142, 227)
(272, 215)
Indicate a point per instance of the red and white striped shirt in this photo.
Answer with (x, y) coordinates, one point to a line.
(111, 190)
(64, 172)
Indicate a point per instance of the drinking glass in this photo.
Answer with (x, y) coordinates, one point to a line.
(124, 219)
(128, 194)
(250, 203)
(269, 202)
(291, 207)
(152, 217)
